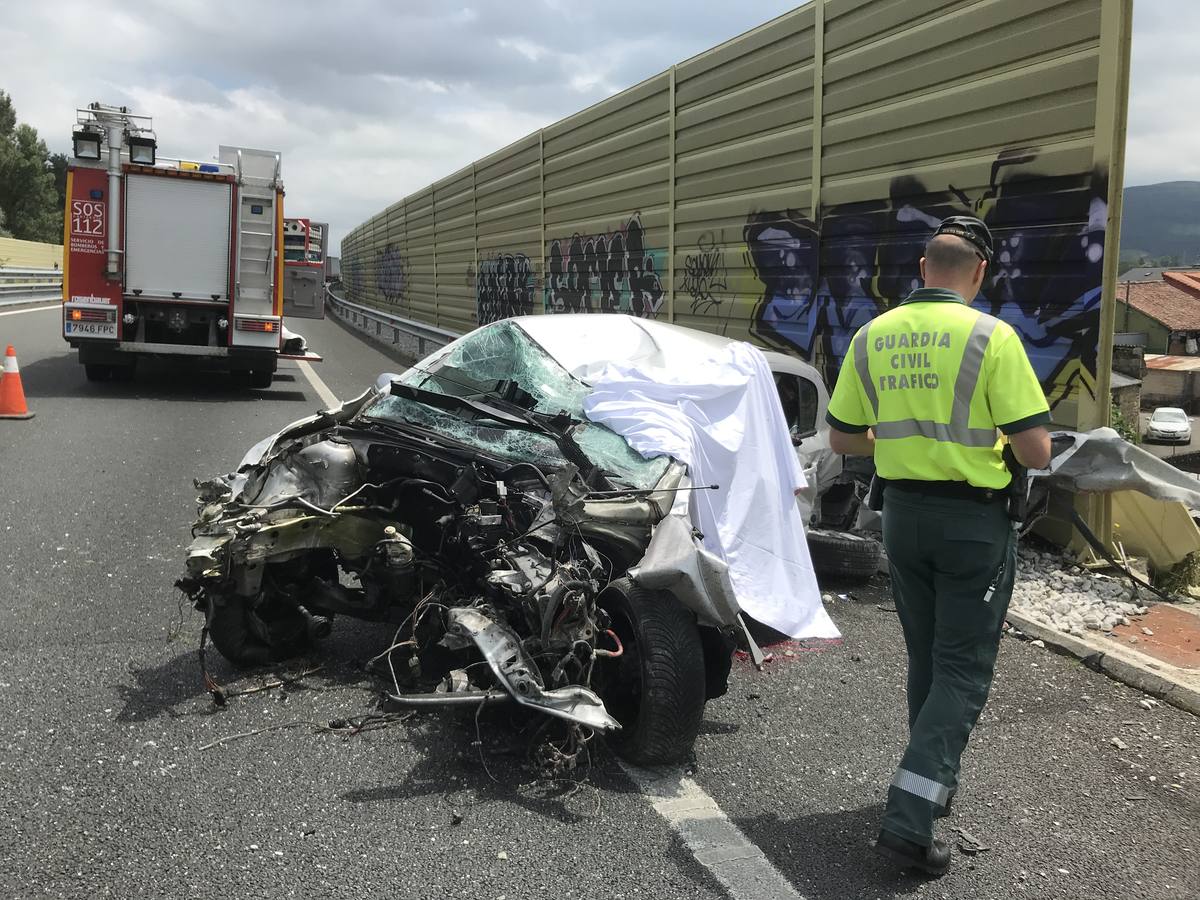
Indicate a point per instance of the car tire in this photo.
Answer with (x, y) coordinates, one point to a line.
(255, 636)
(656, 688)
(98, 372)
(843, 554)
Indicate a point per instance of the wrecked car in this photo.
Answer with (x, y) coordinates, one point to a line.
(525, 554)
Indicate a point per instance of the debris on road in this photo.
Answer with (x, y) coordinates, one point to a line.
(968, 843)
(1054, 592)
(348, 727)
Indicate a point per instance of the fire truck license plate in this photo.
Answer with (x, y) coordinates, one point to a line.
(92, 329)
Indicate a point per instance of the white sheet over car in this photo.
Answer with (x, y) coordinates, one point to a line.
(720, 415)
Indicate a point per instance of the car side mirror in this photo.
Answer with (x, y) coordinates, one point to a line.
(383, 383)
(800, 436)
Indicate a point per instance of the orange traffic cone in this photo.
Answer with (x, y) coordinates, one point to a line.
(12, 395)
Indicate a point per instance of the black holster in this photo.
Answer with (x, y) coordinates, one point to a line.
(875, 493)
(1018, 488)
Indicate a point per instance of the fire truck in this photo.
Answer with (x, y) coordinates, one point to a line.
(304, 255)
(170, 257)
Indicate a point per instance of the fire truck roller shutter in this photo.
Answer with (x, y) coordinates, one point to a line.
(177, 237)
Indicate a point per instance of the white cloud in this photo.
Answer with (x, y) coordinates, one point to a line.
(531, 51)
(367, 101)
(371, 100)
(1163, 140)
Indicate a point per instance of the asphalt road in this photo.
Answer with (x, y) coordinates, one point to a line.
(106, 790)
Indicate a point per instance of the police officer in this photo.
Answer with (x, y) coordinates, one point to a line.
(923, 389)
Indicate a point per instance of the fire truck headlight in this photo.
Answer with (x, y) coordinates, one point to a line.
(222, 323)
(129, 318)
(86, 143)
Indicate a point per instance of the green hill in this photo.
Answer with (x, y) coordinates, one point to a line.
(1161, 220)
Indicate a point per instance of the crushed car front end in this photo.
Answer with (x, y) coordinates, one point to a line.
(524, 554)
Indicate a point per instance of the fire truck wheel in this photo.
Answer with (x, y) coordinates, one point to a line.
(261, 379)
(98, 372)
(123, 372)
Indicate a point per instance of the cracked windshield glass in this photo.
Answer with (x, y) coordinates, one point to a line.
(503, 362)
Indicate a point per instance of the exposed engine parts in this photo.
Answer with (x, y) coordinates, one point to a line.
(502, 585)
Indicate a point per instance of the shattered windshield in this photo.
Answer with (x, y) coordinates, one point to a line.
(501, 360)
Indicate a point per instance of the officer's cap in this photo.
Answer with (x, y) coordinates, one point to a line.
(971, 230)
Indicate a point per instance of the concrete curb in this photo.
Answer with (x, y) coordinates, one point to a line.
(1176, 686)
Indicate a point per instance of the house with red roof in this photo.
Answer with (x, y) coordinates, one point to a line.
(1163, 316)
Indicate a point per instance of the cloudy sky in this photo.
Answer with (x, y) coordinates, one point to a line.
(371, 99)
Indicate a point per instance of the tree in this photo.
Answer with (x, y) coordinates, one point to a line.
(58, 165)
(8, 115)
(28, 199)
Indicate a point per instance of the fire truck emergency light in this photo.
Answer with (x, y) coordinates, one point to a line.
(86, 143)
(141, 149)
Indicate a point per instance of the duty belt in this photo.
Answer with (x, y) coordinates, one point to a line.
(954, 490)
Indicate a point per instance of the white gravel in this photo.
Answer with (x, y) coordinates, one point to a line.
(1056, 592)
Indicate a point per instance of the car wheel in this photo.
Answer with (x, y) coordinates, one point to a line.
(267, 632)
(656, 687)
(261, 379)
(98, 371)
(842, 554)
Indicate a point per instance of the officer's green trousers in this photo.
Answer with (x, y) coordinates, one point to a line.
(945, 554)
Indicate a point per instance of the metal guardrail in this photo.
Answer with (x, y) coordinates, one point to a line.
(405, 336)
(19, 285)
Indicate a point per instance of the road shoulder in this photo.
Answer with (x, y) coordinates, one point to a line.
(1178, 686)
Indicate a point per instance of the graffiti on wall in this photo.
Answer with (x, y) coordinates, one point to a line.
(352, 276)
(505, 286)
(391, 275)
(819, 286)
(805, 306)
(612, 272)
(805, 286)
(705, 276)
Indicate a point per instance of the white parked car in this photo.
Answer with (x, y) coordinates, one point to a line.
(1169, 424)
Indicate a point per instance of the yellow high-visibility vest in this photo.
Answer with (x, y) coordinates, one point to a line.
(936, 379)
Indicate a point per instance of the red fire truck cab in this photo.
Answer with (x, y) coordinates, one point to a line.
(171, 258)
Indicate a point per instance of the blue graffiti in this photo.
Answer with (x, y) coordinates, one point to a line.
(822, 283)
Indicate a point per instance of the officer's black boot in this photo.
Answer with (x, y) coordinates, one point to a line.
(934, 859)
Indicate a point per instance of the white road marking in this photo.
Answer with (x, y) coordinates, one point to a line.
(715, 842)
(323, 391)
(57, 304)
